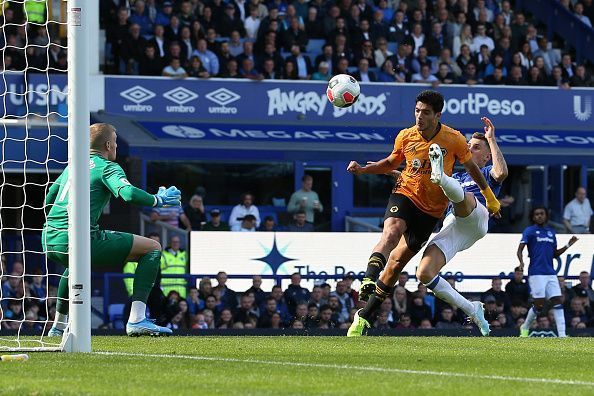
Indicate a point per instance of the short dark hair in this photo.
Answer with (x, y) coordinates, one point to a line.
(431, 98)
(481, 136)
(306, 176)
(538, 207)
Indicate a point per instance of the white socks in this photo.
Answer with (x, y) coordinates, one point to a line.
(559, 319)
(60, 321)
(137, 312)
(447, 293)
(451, 188)
(531, 318)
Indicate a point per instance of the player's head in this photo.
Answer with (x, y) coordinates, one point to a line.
(539, 215)
(103, 140)
(479, 148)
(428, 107)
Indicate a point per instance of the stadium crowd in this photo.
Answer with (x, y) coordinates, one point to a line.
(438, 42)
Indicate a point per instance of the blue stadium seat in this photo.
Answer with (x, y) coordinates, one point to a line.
(116, 315)
(315, 46)
(392, 46)
(352, 69)
(374, 70)
(279, 202)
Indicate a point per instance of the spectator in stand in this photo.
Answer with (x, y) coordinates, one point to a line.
(418, 38)
(345, 299)
(365, 52)
(235, 44)
(290, 71)
(295, 294)
(419, 310)
(470, 75)
(436, 41)
(139, 17)
(281, 305)
(305, 199)
(302, 63)
(447, 320)
(363, 74)
(294, 35)
(464, 38)
(205, 289)
(227, 297)
(567, 66)
(173, 29)
(196, 69)
(248, 53)
(496, 78)
(175, 70)
(132, 51)
(208, 58)
(225, 320)
(171, 215)
(174, 261)
(270, 309)
(193, 301)
(517, 289)
(315, 296)
(444, 75)
(566, 293)
(577, 213)
(551, 57)
(518, 310)
(252, 22)
(382, 321)
(405, 322)
(557, 80)
(248, 223)
(578, 9)
(256, 290)
(400, 300)
(230, 21)
(325, 319)
(12, 289)
(388, 74)
(323, 73)
(247, 309)
(481, 38)
(160, 42)
(465, 58)
(241, 210)
(515, 77)
(215, 223)
(421, 59)
(578, 309)
(584, 289)
(248, 71)
(581, 78)
(496, 291)
(424, 76)
(268, 225)
(150, 63)
(300, 224)
(194, 211)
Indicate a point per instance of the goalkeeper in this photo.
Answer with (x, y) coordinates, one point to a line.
(107, 247)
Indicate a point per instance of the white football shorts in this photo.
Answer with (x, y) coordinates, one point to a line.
(460, 233)
(544, 286)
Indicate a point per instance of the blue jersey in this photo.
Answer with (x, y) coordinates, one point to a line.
(542, 243)
(469, 185)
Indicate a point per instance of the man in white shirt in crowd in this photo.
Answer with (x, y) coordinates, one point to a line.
(577, 213)
(240, 211)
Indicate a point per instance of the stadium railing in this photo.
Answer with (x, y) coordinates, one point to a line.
(164, 230)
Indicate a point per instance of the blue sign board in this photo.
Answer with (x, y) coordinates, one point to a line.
(346, 134)
(35, 148)
(380, 105)
(37, 94)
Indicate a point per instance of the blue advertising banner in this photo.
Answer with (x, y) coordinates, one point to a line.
(36, 94)
(302, 103)
(34, 148)
(347, 134)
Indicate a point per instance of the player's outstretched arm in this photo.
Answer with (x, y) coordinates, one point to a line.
(499, 171)
(560, 251)
(380, 167)
(473, 170)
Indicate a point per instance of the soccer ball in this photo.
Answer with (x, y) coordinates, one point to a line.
(343, 90)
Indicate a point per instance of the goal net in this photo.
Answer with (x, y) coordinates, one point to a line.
(33, 151)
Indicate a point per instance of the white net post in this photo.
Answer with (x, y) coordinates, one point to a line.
(34, 148)
(78, 157)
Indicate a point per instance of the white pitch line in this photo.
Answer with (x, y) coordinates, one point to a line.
(359, 368)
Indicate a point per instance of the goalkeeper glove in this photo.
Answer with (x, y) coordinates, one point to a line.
(167, 197)
(492, 203)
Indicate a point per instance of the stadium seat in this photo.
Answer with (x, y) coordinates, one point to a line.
(392, 46)
(352, 69)
(315, 46)
(116, 315)
(279, 202)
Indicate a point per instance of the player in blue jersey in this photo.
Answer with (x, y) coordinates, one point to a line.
(542, 278)
(467, 220)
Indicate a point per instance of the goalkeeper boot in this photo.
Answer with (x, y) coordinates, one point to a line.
(478, 317)
(358, 326)
(146, 327)
(436, 158)
(524, 332)
(55, 332)
(366, 290)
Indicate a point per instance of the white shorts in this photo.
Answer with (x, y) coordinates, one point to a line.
(544, 286)
(460, 233)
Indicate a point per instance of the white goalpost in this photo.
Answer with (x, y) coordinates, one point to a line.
(30, 123)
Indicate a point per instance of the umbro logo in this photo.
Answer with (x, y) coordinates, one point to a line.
(137, 94)
(222, 96)
(180, 95)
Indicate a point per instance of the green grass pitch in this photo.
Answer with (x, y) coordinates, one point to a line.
(310, 366)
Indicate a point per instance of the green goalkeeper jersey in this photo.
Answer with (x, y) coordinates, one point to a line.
(107, 179)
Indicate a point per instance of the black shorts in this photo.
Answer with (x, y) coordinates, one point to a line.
(419, 224)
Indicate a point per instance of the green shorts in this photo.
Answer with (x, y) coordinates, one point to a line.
(108, 248)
